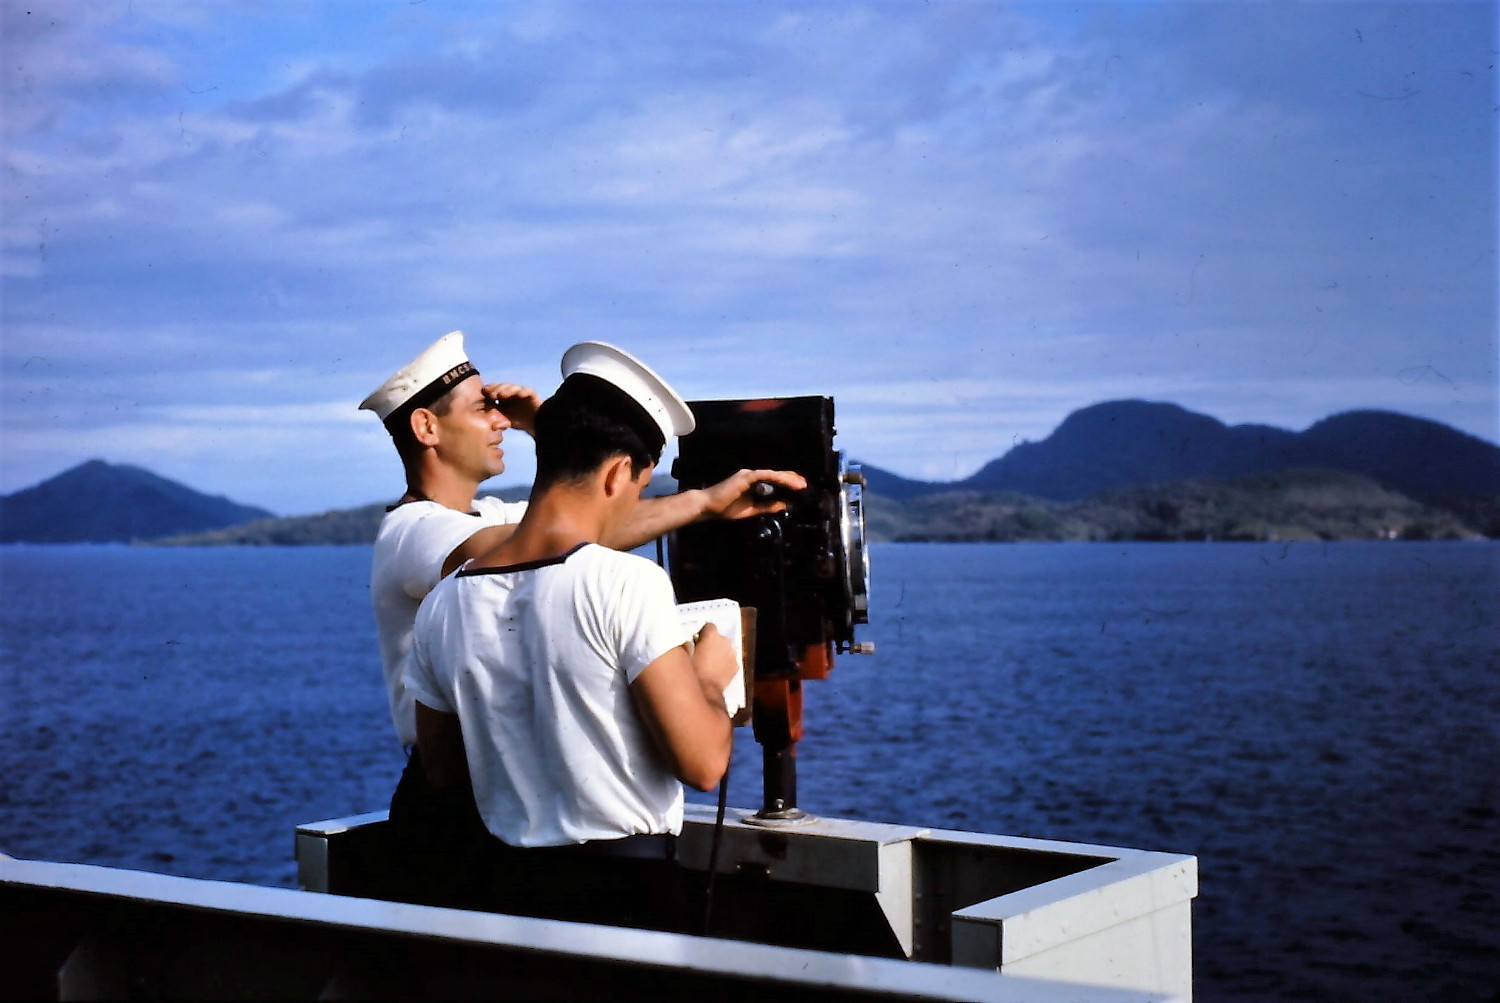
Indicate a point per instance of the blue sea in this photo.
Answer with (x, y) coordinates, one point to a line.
(1318, 723)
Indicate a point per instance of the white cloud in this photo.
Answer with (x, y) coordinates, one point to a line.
(988, 216)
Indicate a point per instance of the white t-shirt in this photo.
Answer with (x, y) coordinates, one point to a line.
(537, 660)
(414, 541)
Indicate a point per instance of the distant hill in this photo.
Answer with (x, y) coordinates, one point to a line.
(340, 526)
(1297, 504)
(1285, 505)
(1123, 443)
(1117, 470)
(98, 502)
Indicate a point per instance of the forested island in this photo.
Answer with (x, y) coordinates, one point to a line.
(1120, 470)
(1290, 505)
(1294, 505)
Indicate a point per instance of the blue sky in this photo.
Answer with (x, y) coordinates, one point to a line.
(224, 223)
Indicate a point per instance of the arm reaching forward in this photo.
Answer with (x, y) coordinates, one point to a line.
(728, 499)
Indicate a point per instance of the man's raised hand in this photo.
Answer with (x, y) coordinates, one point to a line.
(734, 497)
(519, 404)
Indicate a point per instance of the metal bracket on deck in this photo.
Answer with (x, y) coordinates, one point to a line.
(870, 857)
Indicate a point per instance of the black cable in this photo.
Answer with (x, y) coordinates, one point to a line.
(713, 853)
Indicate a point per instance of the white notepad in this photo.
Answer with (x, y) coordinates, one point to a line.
(725, 615)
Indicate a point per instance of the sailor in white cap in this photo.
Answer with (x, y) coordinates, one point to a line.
(554, 678)
(448, 427)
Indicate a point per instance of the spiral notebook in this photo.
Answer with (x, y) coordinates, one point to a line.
(731, 619)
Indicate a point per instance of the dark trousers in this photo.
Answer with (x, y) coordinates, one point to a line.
(446, 857)
(440, 842)
(589, 884)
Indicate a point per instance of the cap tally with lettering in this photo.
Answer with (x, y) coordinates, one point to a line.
(422, 380)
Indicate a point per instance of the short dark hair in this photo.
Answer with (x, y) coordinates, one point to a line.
(398, 423)
(588, 421)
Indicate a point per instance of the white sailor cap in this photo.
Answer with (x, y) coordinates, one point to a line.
(650, 392)
(424, 379)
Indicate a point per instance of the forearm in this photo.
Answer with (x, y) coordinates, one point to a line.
(718, 728)
(713, 693)
(728, 499)
(687, 718)
(655, 516)
(714, 679)
(704, 765)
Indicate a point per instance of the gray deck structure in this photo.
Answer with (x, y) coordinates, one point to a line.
(836, 909)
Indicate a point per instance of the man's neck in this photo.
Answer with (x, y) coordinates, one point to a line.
(556, 521)
(442, 486)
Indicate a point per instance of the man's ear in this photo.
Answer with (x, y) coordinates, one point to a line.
(617, 475)
(424, 426)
